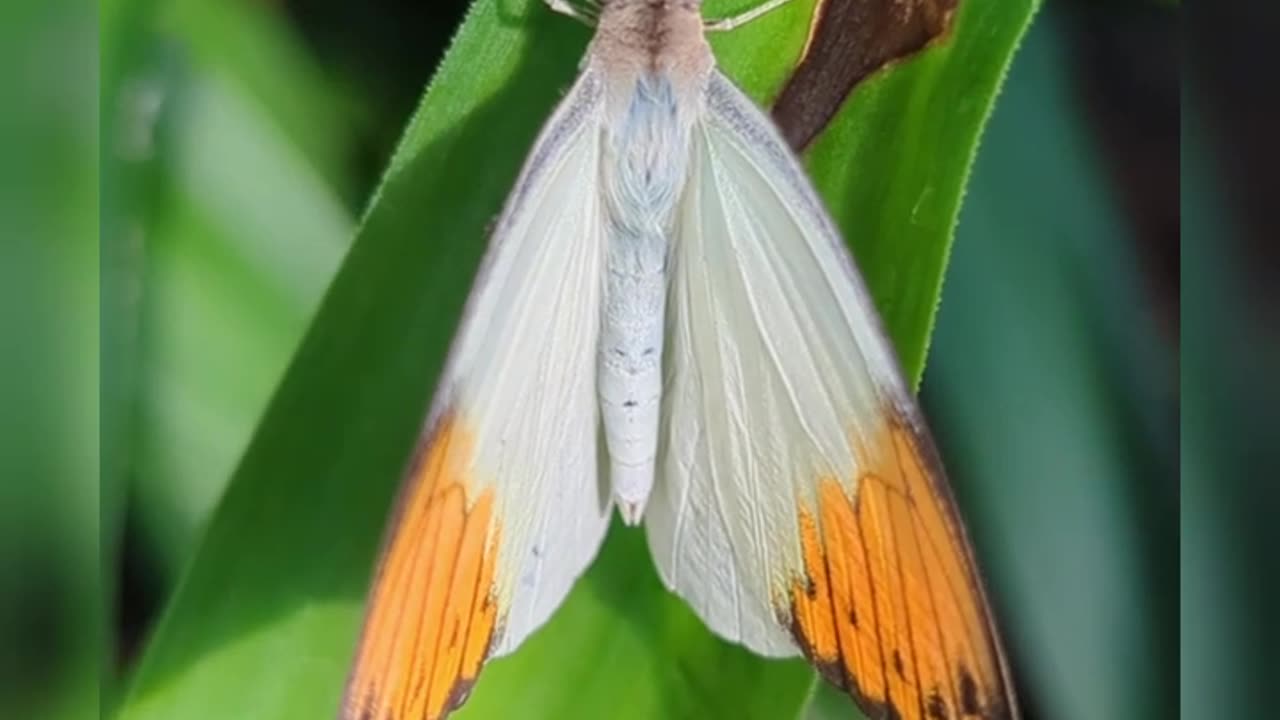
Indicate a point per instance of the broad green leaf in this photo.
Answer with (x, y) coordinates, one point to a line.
(265, 621)
(893, 164)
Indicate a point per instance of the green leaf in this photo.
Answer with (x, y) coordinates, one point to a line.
(893, 164)
(264, 623)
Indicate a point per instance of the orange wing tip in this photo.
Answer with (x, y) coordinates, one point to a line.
(433, 611)
(887, 607)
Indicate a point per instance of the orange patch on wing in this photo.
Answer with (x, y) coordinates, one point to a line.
(891, 608)
(431, 616)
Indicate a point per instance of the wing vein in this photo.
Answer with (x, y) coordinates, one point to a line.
(906, 602)
(875, 609)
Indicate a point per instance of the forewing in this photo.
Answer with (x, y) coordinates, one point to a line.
(502, 508)
(800, 505)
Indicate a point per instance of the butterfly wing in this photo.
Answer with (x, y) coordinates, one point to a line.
(800, 505)
(502, 508)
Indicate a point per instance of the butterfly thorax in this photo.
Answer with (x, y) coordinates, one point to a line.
(659, 38)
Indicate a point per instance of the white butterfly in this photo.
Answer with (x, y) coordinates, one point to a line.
(664, 271)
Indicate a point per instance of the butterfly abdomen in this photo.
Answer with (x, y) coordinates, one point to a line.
(643, 179)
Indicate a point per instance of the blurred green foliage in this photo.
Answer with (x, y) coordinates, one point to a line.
(1229, 457)
(231, 180)
(49, 621)
(235, 224)
(1036, 408)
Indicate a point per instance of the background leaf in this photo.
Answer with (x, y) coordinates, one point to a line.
(50, 624)
(222, 223)
(1076, 534)
(263, 624)
(893, 164)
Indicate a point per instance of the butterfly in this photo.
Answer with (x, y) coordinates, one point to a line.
(668, 322)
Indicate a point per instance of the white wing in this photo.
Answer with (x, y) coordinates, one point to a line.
(773, 352)
(503, 508)
(524, 374)
(799, 505)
